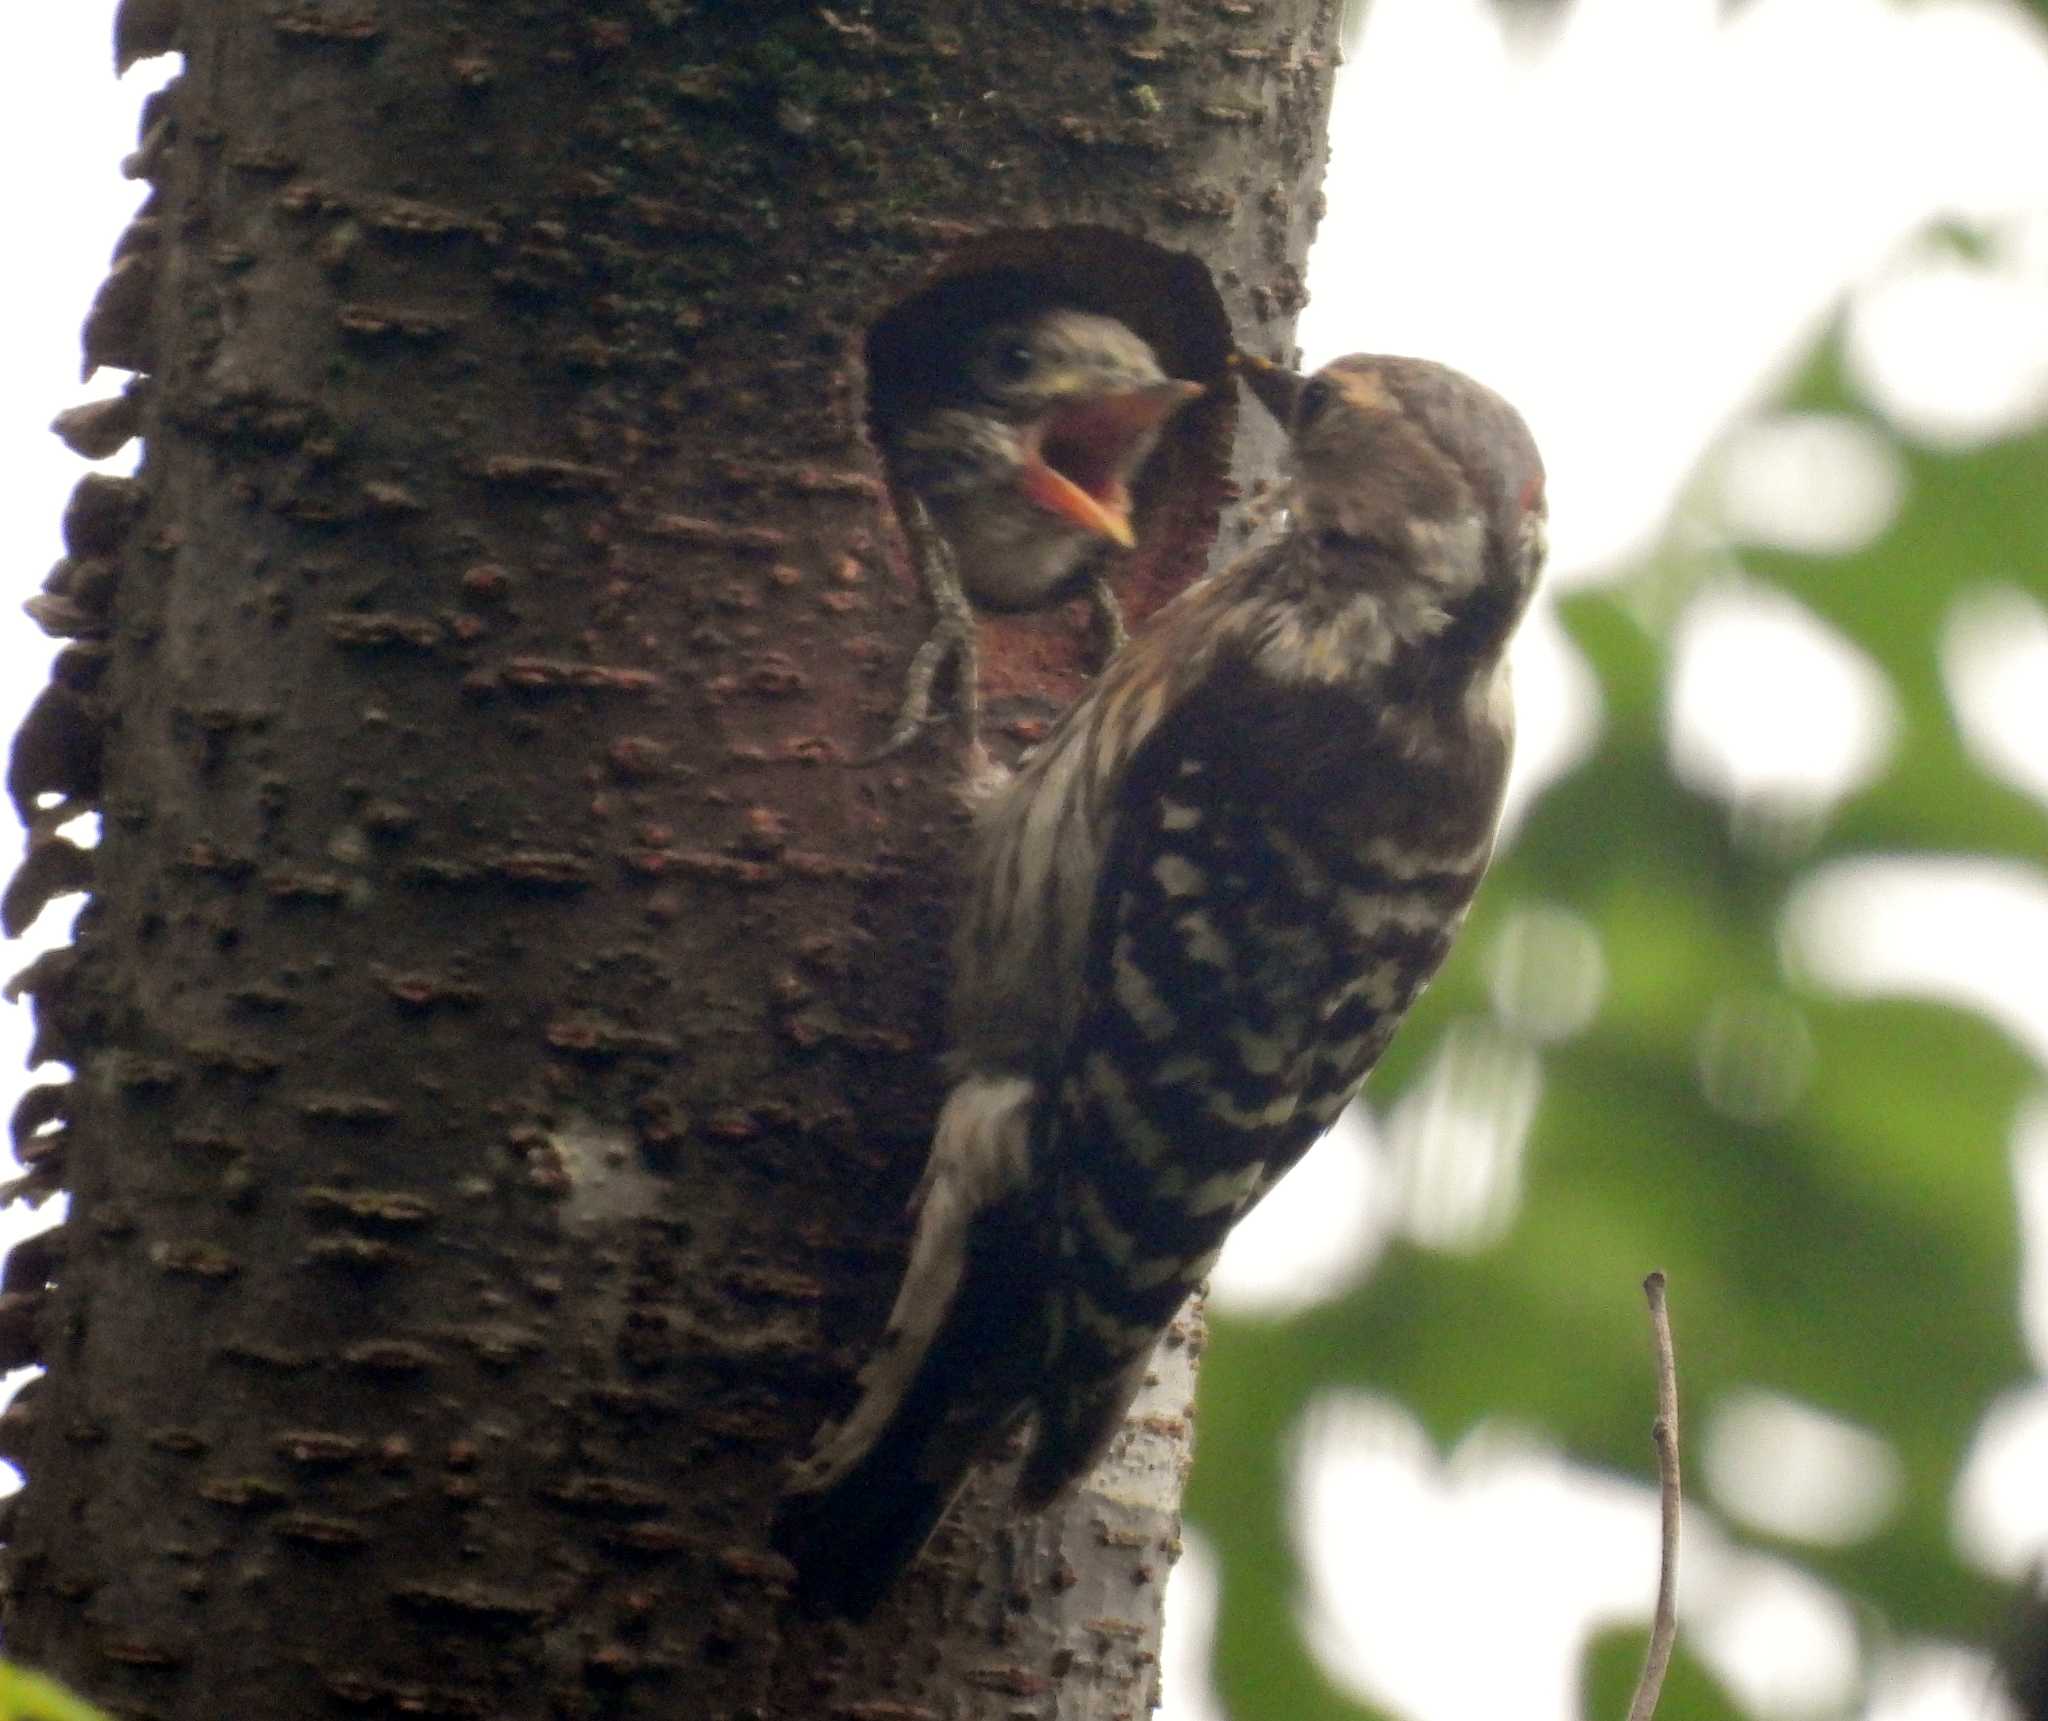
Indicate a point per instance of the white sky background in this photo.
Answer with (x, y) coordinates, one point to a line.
(1632, 224)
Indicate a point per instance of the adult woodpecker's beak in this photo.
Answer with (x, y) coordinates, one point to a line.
(1278, 388)
(1079, 457)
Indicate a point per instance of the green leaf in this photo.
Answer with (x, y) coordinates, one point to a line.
(27, 1696)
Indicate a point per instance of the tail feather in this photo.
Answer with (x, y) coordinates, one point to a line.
(1075, 1431)
(852, 1540)
(852, 1532)
(864, 1502)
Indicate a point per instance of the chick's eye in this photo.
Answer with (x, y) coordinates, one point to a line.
(1316, 395)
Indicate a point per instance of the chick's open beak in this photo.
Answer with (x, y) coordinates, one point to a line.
(1079, 460)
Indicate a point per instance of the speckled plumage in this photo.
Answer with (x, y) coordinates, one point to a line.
(1196, 915)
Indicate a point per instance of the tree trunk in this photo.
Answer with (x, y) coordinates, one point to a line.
(504, 1020)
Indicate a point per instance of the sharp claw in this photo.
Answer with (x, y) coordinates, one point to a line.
(952, 637)
(908, 728)
(915, 715)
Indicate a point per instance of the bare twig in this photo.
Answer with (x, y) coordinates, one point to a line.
(1664, 1625)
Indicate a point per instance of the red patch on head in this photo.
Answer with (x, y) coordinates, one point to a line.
(1532, 493)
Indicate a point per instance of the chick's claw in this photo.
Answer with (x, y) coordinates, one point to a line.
(952, 639)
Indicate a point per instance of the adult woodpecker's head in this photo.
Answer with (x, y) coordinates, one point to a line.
(1411, 472)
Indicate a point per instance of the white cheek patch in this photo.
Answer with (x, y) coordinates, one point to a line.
(1451, 553)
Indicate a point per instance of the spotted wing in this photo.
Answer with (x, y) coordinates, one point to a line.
(1246, 967)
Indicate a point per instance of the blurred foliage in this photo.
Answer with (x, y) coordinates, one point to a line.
(27, 1696)
(1858, 1253)
(1616, 1663)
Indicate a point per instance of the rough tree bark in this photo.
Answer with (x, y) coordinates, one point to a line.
(504, 1022)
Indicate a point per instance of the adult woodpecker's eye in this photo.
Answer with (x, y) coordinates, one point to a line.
(1316, 394)
(1013, 361)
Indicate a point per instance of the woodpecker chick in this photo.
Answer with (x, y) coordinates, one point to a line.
(1195, 916)
(1020, 476)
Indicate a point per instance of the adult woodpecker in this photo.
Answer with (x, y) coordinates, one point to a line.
(1195, 917)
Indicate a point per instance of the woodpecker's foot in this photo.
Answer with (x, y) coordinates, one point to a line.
(951, 640)
(947, 641)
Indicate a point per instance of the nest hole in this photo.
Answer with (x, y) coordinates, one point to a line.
(918, 349)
